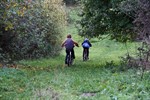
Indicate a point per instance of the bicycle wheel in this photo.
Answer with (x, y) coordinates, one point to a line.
(69, 60)
(85, 55)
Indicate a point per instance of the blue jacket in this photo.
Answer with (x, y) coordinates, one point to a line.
(86, 41)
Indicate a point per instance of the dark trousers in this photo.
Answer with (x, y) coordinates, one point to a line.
(87, 51)
(72, 54)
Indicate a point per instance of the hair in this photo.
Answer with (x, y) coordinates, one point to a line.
(69, 36)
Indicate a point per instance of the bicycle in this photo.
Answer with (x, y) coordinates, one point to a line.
(69, 59)
(85, 56)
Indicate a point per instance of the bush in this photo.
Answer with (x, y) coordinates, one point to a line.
(31, 29)
(69, 2)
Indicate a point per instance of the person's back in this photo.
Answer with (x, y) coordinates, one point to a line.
(69, 44)
(86, 45)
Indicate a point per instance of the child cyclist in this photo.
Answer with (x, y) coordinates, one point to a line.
(86, 45)
(69, 44)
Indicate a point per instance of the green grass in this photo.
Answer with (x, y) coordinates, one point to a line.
(49, 79)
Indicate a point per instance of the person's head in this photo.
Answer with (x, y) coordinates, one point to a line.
(69, 36)
(86, 39)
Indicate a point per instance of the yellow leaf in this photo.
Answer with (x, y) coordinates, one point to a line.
(9, 25)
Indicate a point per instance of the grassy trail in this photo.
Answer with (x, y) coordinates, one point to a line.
(49, 79)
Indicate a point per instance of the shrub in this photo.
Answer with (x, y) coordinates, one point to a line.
(31, 29)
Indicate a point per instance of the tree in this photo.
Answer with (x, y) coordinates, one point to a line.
(140, 10)
(105, 17)
(71, 2)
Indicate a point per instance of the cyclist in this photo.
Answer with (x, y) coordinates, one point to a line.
(86, 45)
(69, 44)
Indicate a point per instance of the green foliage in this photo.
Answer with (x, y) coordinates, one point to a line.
(139, 9)
(31, 29)
(130, 7)
(72, 14)
(105, 17)
(71, 2)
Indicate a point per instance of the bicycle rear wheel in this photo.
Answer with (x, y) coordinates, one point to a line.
(85, 55)
(69, 60)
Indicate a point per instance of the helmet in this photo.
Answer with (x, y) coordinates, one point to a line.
(69, 36)
(86, 39)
